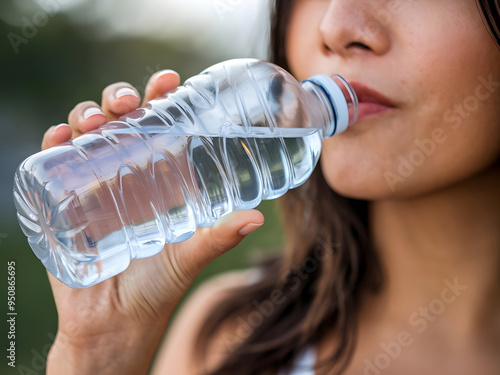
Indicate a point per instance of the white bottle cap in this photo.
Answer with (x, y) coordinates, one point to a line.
(339, 99)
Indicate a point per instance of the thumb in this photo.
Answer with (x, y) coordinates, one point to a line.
(226, 233)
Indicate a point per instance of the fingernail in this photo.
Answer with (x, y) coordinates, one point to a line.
(249, 228)
(60, 126)
(163, 72)
(91, 112)
(53, 128)
(124, 91)
(167, 73)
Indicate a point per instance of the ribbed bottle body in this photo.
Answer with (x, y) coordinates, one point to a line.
(238, 133)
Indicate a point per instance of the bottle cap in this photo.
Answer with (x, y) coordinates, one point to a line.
(342, 98)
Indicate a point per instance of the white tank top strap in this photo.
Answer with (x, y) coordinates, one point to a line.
(304, 364)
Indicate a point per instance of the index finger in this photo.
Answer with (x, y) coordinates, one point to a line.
(160, 83)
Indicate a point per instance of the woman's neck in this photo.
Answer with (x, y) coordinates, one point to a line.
(441, 257)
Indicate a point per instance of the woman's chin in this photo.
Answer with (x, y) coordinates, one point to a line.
(364, 188)
(373, 186)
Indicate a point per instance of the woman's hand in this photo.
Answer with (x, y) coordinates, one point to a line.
(115, 326)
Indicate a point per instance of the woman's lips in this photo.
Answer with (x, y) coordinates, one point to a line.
(370, 102)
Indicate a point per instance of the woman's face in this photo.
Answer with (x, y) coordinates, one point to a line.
(434, 118)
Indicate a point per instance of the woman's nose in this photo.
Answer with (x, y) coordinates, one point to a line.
(347, 28)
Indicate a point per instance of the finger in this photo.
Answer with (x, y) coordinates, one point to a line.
(118, 99)
(86, 116)
(225, 234)
(56, 135)
(160, 83)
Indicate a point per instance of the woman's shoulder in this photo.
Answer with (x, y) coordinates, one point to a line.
(175, 354)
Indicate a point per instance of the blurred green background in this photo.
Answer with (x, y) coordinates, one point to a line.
(56, 53)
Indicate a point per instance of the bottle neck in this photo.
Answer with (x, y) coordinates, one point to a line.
(322, 111)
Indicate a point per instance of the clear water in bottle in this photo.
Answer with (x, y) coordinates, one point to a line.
(90, 206)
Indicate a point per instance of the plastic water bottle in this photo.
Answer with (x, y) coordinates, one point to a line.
(239, 132)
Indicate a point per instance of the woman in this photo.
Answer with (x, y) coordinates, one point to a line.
(393, 245)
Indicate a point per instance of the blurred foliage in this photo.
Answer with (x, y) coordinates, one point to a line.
(57, 68)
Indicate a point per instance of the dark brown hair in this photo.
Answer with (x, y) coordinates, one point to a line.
(490, 11)
(316, 285)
